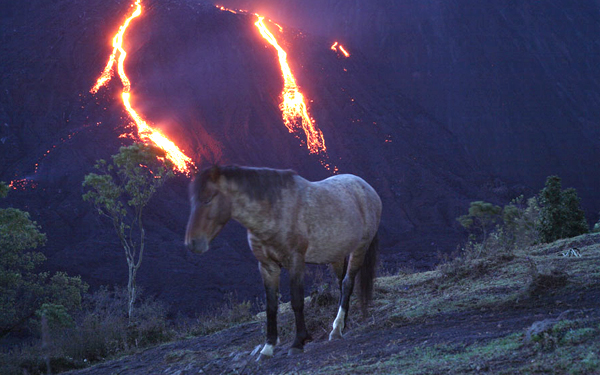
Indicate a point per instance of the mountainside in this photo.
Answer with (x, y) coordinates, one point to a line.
(516, 81)
(208, 80)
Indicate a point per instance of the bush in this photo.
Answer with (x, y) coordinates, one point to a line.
(500, 230)
(481, 218)
(514, 227)
(561, 215)
(23, 288)
(99, 331)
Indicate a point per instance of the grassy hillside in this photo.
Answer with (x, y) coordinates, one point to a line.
(534, 311)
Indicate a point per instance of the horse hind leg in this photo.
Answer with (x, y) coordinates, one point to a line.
(366, 264)
(339, 269)
(352, 266)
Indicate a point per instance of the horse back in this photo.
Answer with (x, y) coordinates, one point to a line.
(341, 213)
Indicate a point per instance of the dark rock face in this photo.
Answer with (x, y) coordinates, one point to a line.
(516, 81)
(210, 82)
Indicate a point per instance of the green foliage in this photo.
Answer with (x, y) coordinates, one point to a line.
(561, 215)
(140, 170)
(66, 290)
(127, 185)
(23, 289)
(481, 218)
(495, 230)
(57, 316)
(100, 331)
(3, 190)
(514, 227)
(518, 227)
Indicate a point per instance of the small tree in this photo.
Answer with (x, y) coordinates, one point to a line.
(23, 289)
(519, 219)
(561, 215)
(481, 218)
(128, 184)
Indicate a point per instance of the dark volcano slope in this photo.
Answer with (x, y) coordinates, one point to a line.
(212, 84)
(518, 81)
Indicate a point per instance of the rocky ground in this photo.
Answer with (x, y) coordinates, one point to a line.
(504, 318)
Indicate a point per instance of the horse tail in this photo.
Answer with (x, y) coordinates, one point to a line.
(367, 274)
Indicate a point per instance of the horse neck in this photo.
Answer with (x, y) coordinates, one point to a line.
(256, 216)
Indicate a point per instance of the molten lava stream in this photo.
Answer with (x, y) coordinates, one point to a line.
(293, 106)
(146, 133)
(337, 46)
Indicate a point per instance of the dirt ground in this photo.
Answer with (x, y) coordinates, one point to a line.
(234, 351)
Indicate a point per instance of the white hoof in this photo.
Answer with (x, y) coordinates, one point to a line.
(267, 351)
(335, 334)
(338, 325)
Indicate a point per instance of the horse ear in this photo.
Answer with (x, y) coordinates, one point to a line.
(214, 173)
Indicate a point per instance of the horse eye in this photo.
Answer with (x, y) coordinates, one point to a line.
(208, 200)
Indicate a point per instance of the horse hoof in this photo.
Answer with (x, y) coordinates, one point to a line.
(294, 351)
(335, 335)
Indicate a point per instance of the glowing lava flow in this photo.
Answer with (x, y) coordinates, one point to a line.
(335, 47)
(145, 132)
(293, 107)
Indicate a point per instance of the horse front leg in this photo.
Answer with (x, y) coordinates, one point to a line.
(297, 292)
(270, 274)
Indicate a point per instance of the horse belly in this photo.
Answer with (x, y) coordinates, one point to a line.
(331, 249)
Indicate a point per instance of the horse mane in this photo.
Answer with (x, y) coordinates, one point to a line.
(257, 183)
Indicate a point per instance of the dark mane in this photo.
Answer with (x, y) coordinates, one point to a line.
(257, 183)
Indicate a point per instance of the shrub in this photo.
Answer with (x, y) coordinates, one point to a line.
(561, 215)
(481, 218)
(99, 331)
(514, 226)
(23, 288)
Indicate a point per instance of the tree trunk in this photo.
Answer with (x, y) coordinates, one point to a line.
(131, 290)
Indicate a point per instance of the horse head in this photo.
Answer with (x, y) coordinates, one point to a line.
(211, 209)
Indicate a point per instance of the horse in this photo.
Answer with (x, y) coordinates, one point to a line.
(292, 221)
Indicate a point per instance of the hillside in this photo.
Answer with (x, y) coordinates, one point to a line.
(535, 312)
(515, 80)
(208, 80)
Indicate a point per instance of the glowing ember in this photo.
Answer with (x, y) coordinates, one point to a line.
(22, 184)
(341, 48)
(226, 9)
(293, 107)
(145, 132)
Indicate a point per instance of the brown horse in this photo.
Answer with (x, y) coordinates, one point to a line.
(292, 221)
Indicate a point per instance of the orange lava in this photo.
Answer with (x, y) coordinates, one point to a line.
(226, 9)
(146, 133)
(293, 106)
(344, 51)
(341, 48)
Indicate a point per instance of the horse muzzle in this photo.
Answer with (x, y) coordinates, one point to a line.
(198, 245)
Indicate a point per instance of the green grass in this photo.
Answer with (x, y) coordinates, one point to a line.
(570, 347)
